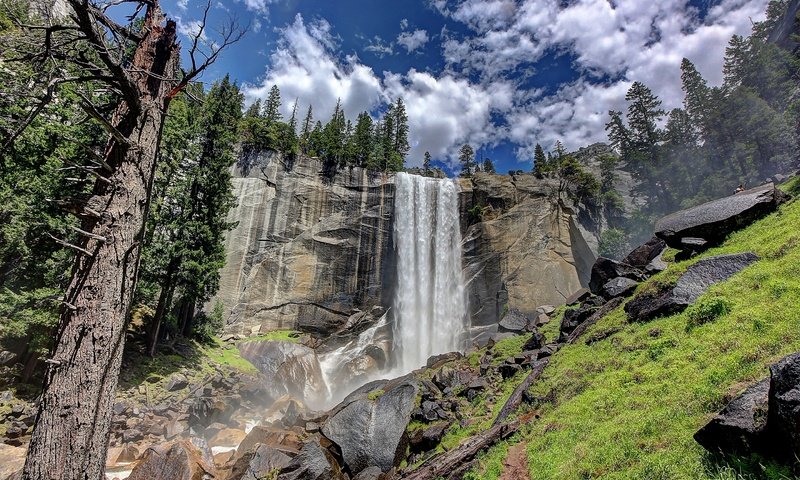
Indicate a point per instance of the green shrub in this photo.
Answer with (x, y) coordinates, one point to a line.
(613, 243)
(707, 310)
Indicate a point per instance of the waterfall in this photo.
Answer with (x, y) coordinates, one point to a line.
(430, 306)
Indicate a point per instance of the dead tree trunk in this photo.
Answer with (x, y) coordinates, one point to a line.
(73, 421)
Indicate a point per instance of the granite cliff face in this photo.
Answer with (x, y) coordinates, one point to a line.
(312, 248)
(523, 247)
(309, 246)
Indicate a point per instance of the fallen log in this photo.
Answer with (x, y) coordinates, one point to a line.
(515, 400)
(453, 464)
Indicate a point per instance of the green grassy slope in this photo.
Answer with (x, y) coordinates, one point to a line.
(626, 407)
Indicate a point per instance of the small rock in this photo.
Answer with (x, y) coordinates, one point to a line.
(578, 297)
(177, 381)
(619, 287)
(514, 321)
(542, 319)
(546, 309)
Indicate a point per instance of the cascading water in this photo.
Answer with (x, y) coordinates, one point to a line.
(429, 315)
(430, 306)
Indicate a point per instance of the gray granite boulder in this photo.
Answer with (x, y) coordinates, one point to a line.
(642, 255)
(740, 426)
(784, 407)
(312, 463)
(714, 221)
(619, 287)
(689, 287)
(372, 431)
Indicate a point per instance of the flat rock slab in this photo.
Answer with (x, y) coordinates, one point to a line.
(372, 432)
(689, 287)
(715, 220)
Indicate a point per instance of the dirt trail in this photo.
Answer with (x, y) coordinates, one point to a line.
(516, 463)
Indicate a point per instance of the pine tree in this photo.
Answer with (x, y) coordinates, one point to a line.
(401, 146)
(539, 160)
(618, 133)
(272, 108)
(488, 166)
(305, 131)
(334, 135)
(466, 157)
(293, 118)
(698, 96)
(736, 62)
(191, 236)
(362, 139)
(644, 113)
(426, 163)
(254, 110)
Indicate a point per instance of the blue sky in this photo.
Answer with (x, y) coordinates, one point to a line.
(501, 75)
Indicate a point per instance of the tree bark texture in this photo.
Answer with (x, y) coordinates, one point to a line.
(70, 438)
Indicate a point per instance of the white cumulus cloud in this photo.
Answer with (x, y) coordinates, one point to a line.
(413, 40)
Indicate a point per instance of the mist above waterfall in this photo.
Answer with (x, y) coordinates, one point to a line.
(430, 304)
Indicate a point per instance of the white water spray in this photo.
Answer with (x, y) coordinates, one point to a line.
(430, 306)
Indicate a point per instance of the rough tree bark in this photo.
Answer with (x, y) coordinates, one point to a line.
(70, 438)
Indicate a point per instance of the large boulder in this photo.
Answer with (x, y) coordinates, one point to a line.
(784, 407)
(313, 463)
(715, 220)
(605, 270)
(289, 368)
(259, 463)
(372, 431)
(642, 255)
(174, 461)
(689, 287)
(740, 426)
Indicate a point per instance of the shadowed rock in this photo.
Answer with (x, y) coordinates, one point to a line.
(740, 426)
(259, 463)
(784, 407)
(313, 463)
(619, 287)
(605, 270)
(642, 255)
(715, 220)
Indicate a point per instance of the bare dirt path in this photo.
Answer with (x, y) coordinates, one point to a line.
(516, 463)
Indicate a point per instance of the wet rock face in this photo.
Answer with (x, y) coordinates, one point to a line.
(372, 431)
(308, 248)
(709, 224)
